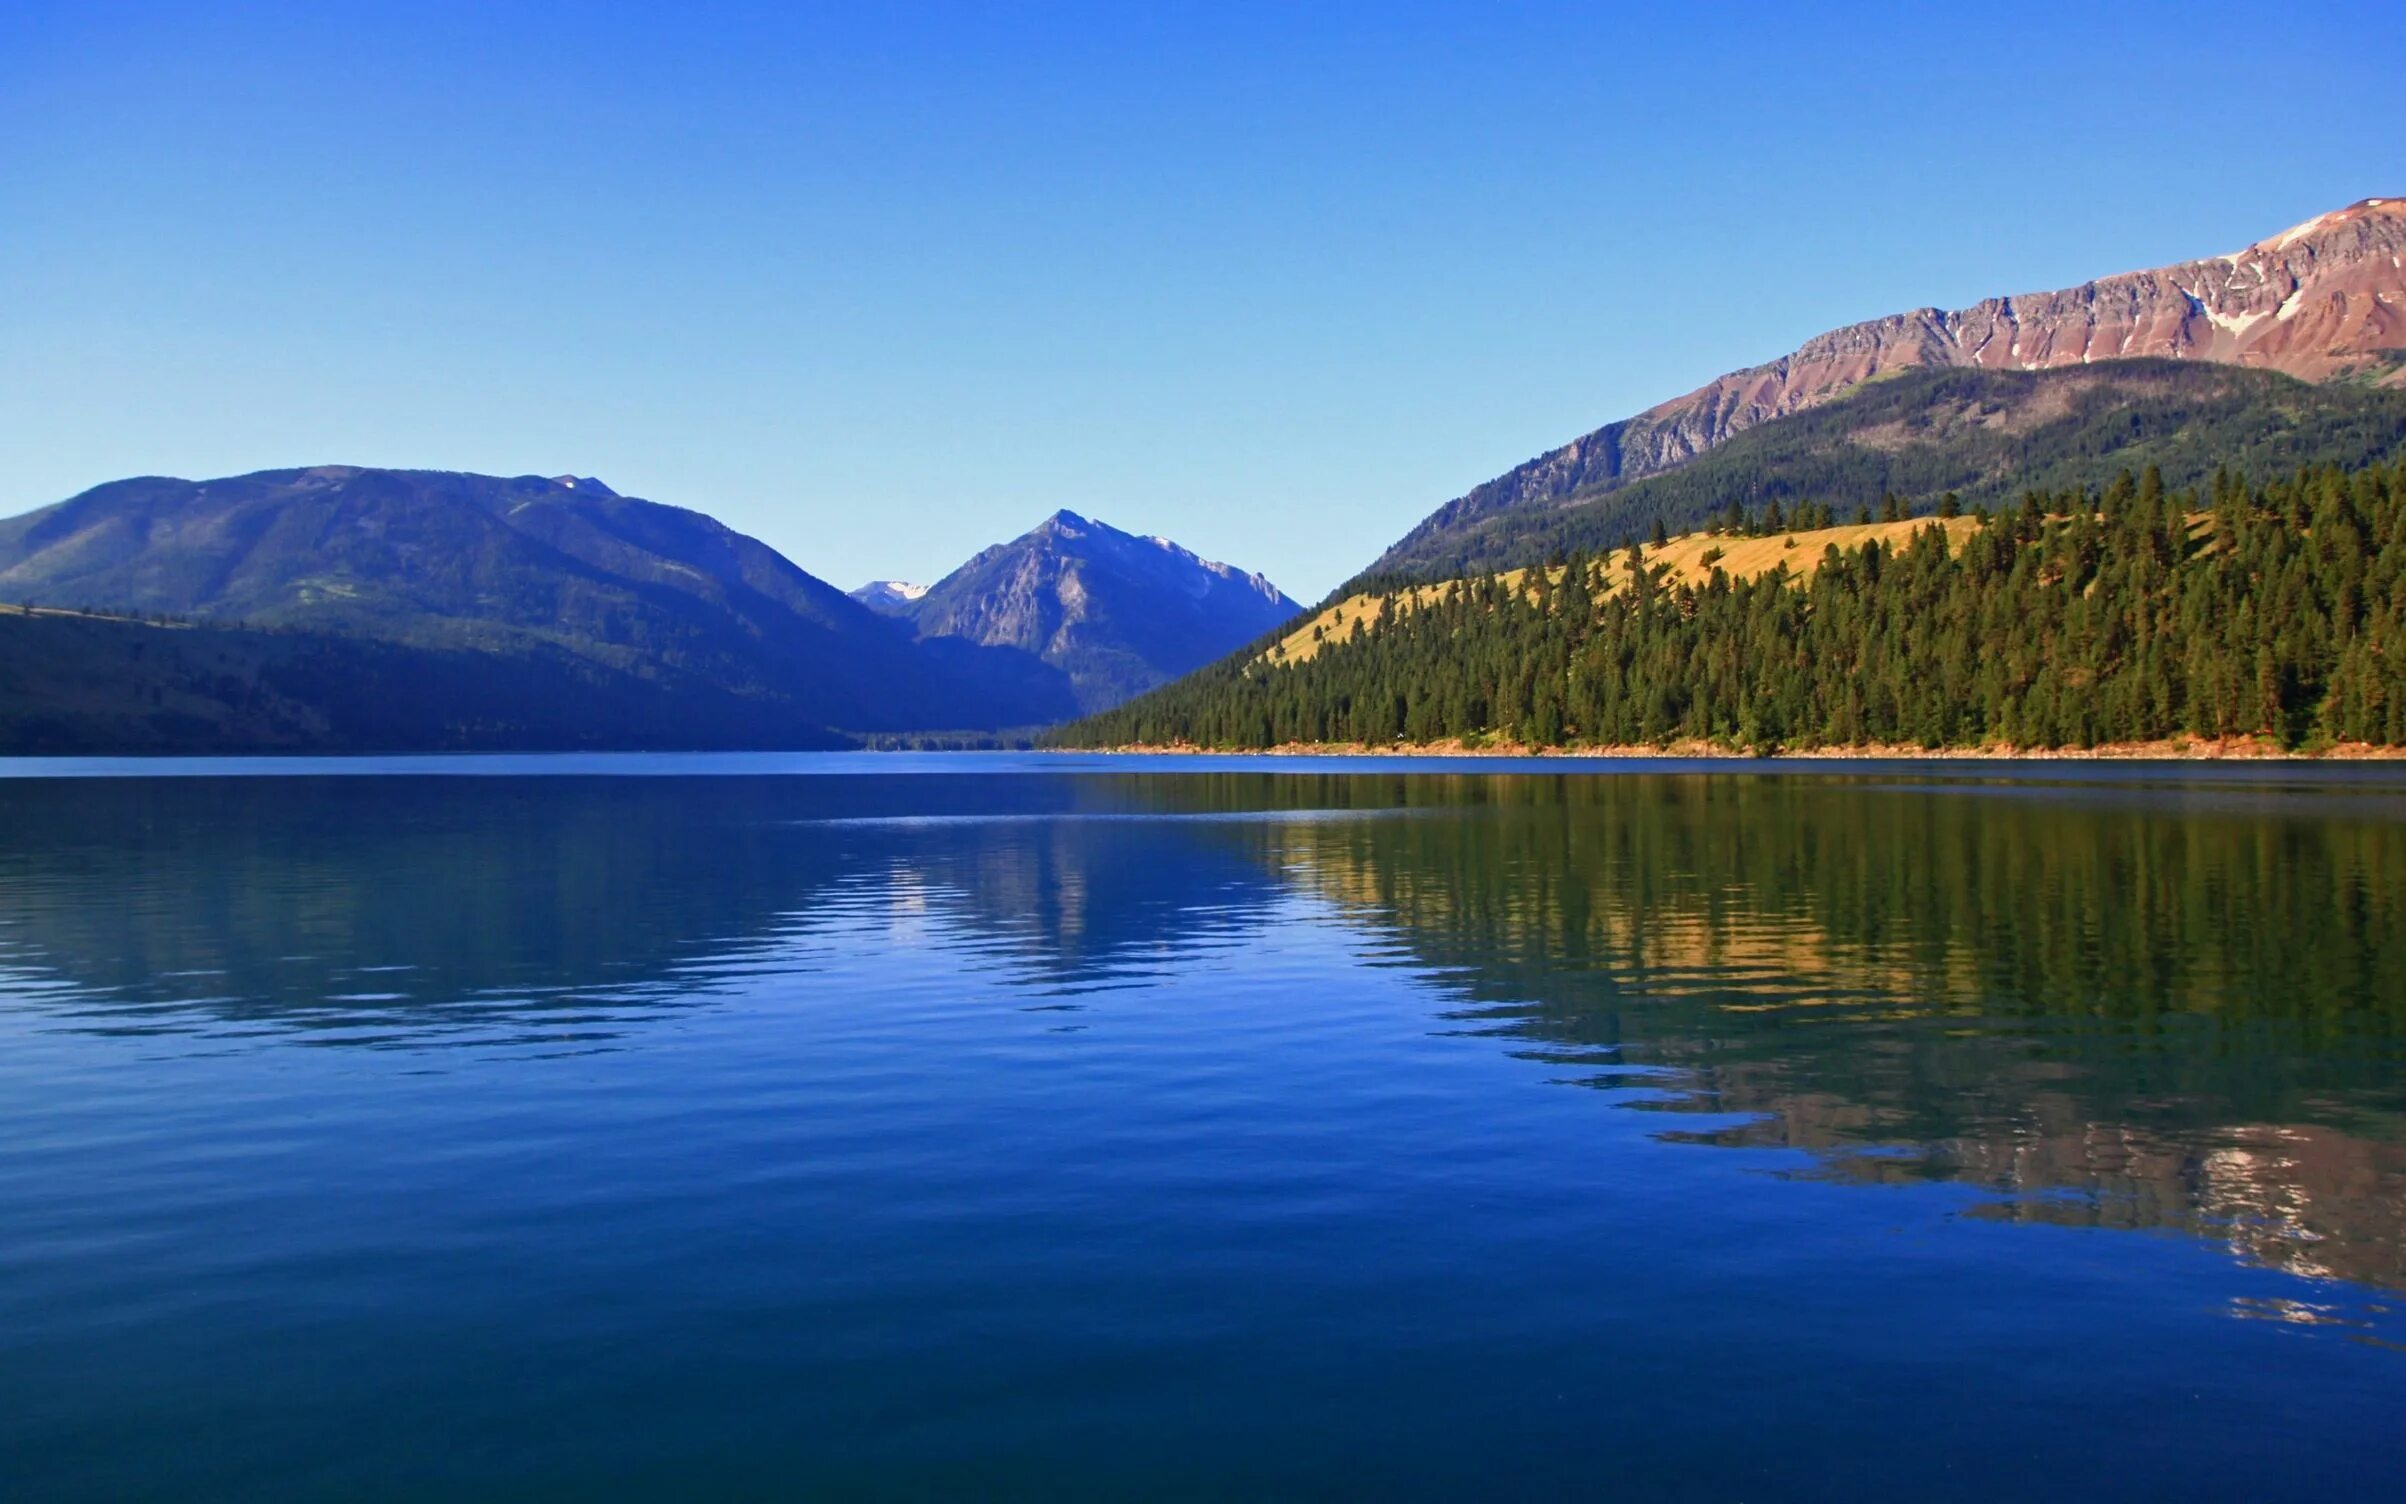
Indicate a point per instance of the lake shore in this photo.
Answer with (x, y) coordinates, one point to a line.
(2184, 749)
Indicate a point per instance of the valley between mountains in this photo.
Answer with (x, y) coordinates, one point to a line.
(2164, 507)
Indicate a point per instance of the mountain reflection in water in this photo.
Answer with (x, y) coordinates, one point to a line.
(2171, 1006)
(2180, 1013)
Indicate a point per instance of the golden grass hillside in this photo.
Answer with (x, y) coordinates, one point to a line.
(1691, 558)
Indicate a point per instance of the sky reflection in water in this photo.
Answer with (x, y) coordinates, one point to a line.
(1038, 1130)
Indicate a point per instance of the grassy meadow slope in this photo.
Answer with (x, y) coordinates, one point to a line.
(1688, 560)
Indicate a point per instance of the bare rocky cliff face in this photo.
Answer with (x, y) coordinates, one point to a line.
(2323, 301)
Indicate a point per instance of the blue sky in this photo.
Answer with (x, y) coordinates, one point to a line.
(884, 284)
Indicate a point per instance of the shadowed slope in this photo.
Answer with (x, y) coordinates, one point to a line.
(513, 567)
(1119, 614)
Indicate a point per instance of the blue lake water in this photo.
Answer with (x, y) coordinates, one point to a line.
(1045, 1127)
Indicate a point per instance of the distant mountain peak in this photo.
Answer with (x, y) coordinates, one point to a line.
(1118, 612)
(889, 597)
(584, 483)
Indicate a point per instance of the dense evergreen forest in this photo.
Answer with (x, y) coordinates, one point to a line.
(2130, 613)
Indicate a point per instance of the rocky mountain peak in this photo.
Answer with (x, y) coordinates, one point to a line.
(2322, 225)
(889, 597)
(2324, 300)
(1118, 612)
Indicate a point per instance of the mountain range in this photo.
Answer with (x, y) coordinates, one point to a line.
(356, 608)
(2324, 302)
(1114, 612)
(524, 568)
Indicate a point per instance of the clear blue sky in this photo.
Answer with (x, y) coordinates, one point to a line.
(884, 284)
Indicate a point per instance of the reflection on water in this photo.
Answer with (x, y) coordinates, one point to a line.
(2156, 1006)
(2170, 1004)
(2186, 1011)
(412, 911)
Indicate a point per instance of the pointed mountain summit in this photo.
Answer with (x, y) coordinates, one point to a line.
(1117, 612)
(2323, 302)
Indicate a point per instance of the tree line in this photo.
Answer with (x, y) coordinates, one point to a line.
(2127, 613)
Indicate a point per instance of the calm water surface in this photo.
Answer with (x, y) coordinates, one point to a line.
(913, 1127)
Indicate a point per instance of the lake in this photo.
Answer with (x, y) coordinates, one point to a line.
(1045, 1127)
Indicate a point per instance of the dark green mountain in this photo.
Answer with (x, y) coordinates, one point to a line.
(1115, 612)
(1986, 435)
(74, 684)
(553, 576)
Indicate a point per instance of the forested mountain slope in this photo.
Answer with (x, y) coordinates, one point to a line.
(2133, 614)
(524, 568)
(1985, 435)
(75, 683)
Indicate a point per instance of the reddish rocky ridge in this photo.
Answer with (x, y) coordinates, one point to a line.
(2325, 300)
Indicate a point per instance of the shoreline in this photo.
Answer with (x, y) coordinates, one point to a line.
(2230, 749)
